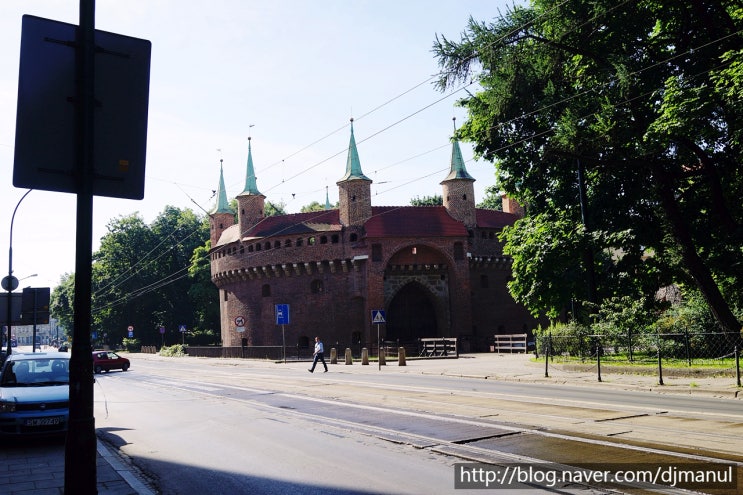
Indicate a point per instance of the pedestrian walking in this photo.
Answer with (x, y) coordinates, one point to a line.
(319, 355)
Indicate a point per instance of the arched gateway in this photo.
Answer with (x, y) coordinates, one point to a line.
(416, 287)
(411, 315)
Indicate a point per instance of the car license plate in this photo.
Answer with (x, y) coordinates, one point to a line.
(55, 420)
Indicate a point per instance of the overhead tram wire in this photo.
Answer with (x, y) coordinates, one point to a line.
(282, 161)
(401, 120)
(168, 280)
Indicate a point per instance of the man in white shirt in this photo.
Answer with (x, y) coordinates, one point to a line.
(318, 356)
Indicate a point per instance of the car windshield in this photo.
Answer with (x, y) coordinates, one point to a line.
(36, 373)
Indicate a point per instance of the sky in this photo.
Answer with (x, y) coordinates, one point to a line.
(289, 74)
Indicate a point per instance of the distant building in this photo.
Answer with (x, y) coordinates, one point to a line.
(46, 333)
(436, 271)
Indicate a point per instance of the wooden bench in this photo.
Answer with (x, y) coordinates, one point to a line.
(511, 342)
(438, 347)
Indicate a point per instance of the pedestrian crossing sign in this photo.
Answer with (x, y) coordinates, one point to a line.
(378, 316)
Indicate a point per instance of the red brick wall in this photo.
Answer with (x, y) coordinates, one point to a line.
(459, 200)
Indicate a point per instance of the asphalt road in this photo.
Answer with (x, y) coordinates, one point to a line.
(198, 426)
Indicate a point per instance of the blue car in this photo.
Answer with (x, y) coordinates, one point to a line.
(35, 393)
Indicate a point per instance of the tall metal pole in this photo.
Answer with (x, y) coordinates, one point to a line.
(10, 287)
(80, 447)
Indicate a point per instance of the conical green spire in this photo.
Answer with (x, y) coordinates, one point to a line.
(353, 165)
(250, 183)
(222, 205)
(327, 200)
(458, 170)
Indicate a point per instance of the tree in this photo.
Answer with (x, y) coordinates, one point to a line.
(492, 199)
(61, 302)
(272, 210)
(148, 276)
(314, 206)
(203, 294)
(645, 97)
(436, 200)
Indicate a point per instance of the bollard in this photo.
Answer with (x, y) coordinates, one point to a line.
(401, 356)
(333, 355)
(349, 358)
(382, 358)
(364, 356)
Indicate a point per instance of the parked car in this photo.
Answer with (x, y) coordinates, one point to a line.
(109, 360)
(35, 393)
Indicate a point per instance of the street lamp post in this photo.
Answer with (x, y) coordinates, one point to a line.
(11, 283)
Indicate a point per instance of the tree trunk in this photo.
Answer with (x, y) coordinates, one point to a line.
(693, 263)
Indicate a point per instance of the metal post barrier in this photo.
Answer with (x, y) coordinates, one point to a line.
(598, 357)
(687, 346)
(737, 365)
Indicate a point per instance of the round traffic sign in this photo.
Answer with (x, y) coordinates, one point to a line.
(240, 321)
(10, 283)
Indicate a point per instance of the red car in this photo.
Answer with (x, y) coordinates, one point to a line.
(108, 360)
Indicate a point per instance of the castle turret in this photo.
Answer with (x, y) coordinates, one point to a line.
(221, 216)
(459, 189)
(354, 190)
(250, 202)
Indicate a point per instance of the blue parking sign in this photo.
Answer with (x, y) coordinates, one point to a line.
(282, 314)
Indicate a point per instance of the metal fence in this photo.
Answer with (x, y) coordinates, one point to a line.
(718, 351)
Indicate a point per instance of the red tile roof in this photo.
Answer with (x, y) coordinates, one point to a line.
(494, 219)
(413, 221)
(297, 223)
(386, 221)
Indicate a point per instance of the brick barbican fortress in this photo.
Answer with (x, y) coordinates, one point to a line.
(436, 271)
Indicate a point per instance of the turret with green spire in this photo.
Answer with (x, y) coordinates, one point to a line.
(354, 190)
(222, 205)
(353, 164)
(250, 202)
(221, 216)
(251, 186)
(458, 188)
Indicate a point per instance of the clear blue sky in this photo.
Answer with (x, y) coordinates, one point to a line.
(286, 72)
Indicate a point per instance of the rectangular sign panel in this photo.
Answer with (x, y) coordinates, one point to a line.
(45, 141)
(282, 314)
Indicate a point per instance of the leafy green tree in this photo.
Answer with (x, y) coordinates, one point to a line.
(314, 206)
(274, 209)
(204, 296)
(436, 200)
(492, 199)
(147, 276)
(61, 302)
(623, 119)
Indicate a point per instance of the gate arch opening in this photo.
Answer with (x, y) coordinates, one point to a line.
(411, 314)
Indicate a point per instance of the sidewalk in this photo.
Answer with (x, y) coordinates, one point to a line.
(38, 469)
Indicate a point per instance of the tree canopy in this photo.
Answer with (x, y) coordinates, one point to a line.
(435, 200)
(618, 124)
(148, 276)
